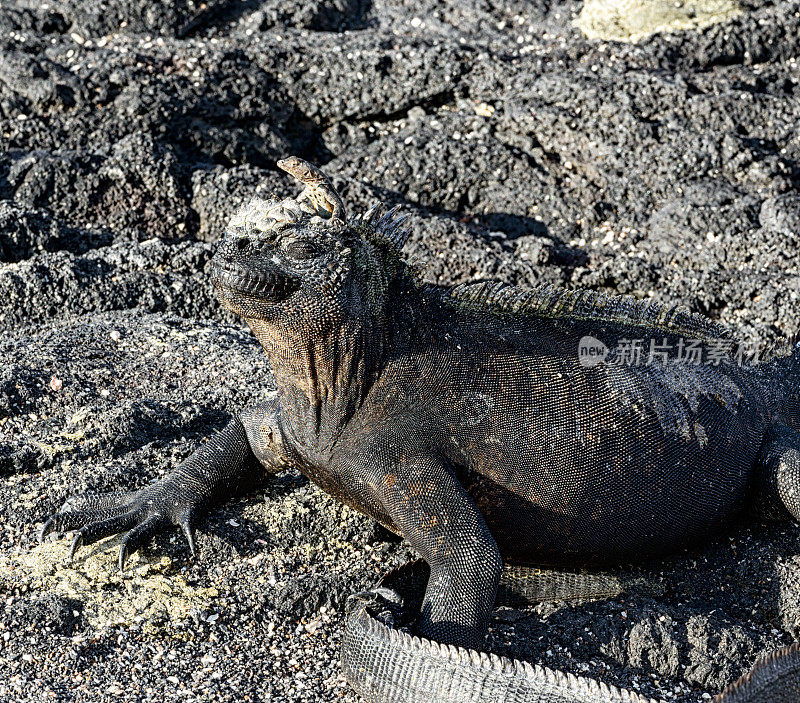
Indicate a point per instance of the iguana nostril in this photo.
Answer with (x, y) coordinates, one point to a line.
(242, 243)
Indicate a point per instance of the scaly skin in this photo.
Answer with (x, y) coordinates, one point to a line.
(386, 665)
(464, 420)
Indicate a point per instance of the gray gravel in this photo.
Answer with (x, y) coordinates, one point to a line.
(130, 130)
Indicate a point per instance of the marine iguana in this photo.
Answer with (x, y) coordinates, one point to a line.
(466, 420)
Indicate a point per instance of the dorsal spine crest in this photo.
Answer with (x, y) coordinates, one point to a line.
(551, 301)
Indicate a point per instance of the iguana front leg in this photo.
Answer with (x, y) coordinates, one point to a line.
(439, 519)
(218, 470)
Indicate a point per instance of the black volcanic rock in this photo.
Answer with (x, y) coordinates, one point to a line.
(129, 132)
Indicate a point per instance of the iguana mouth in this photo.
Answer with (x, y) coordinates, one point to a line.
(265, 284)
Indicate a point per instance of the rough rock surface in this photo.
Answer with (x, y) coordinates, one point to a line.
(129, 130)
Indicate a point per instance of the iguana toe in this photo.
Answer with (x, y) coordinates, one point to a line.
(138, 536)
(384, 604)
(94, 531)
(77, 541)
(188, 532)
(65, 522)
(96, 501)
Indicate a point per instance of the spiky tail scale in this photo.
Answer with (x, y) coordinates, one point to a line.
(387, 665)
(775, 678)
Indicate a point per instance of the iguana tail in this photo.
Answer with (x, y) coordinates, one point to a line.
(775, 677)
(386, 665)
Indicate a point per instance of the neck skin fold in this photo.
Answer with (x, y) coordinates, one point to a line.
(322, 379)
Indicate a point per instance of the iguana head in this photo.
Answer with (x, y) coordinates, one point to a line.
(299, 264)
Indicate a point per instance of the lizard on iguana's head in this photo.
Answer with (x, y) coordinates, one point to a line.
(318, 191)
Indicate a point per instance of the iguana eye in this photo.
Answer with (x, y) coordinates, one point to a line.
(300, 249)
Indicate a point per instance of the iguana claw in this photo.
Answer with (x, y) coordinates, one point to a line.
(138, 536)
(141, 515)
(77, 541)
(207, 476)
(188, 532)
(384, 604)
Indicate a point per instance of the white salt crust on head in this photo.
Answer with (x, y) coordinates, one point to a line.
(261, 215)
